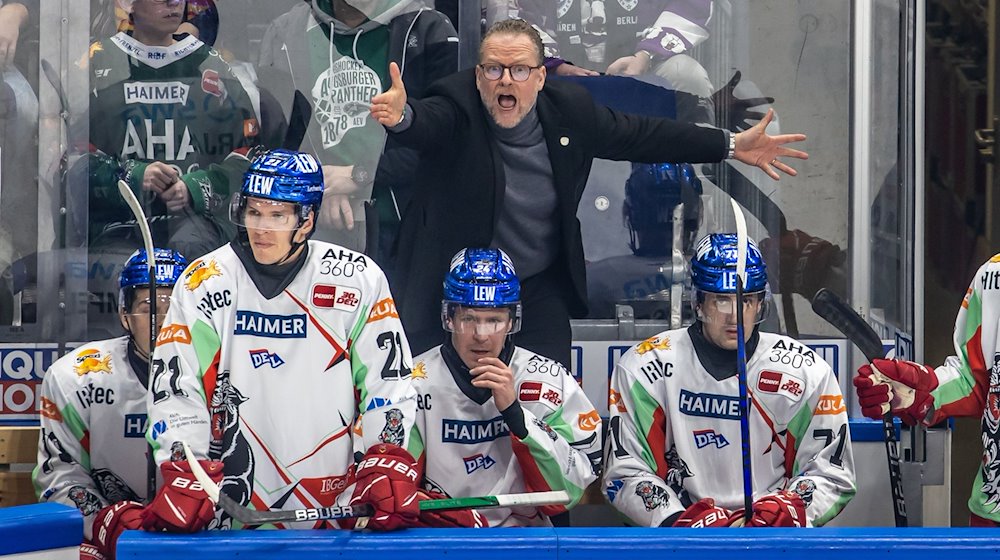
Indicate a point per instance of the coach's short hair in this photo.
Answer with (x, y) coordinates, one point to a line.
(515, 26)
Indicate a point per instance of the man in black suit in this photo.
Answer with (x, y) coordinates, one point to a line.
(506, 167)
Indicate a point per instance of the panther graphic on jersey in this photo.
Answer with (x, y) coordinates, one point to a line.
(676, 473)
(228, 444)
(652, 496)
(112, 487)
(86, 502)
(805, 488)
(991, 439)
(544, 426)
(393, 431)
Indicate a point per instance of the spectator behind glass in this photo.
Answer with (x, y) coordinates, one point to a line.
(338, 53)
(18, 132)
(164, 110)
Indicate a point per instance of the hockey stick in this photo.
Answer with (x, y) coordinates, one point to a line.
(741, 358)
(147, 241)
(249, 516)
(829, 306)
(298, 122)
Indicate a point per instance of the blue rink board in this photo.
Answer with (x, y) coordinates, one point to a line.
(39, 527)
(574, 544)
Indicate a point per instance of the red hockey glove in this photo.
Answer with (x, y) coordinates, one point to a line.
(704, 513)
(387, 479)
(90, 552)
(111, 521)
(780, 509)
(456, 518)
(903, 388)
(181, 506)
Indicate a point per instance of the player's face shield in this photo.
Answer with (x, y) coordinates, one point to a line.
(480, 321)
(260, 213)
(712, 307)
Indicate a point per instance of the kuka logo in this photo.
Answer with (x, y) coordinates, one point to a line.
(830, 405)
(384, 309)
(589, 421)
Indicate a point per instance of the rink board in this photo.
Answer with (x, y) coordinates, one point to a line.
(573, 544)
(53, 531)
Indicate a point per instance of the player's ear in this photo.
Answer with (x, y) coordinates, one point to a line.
(306, 228)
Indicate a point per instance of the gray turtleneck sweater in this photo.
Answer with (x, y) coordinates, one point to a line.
(527, 229)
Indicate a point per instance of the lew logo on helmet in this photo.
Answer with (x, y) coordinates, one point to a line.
(484, 293)
(259, 184)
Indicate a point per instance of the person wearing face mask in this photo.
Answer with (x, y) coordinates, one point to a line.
(293, 373)
(91, 449)
(505, 157)
(337, 52)
(674, 454)
(518, 421)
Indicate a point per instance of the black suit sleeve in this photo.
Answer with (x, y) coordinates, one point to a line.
(628, 137)
(435, 120)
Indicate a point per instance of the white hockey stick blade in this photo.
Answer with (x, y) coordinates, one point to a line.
(211, 488)
(140, 217)
(555, 497)
(741, 241)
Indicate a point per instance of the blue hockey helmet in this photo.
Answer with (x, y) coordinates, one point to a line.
(281, 176)
(135, 274)
(652, 191)
(481, 278)
(713, 270)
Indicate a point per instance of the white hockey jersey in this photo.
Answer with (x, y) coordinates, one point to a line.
(91, 447)
(287, 391)
(675, 430)
(472, 452)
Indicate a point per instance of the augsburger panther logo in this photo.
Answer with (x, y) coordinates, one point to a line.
(342, 95)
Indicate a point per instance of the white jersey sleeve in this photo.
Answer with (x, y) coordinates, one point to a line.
(90, 448)
(562, 447)
(639, 432)
(382, 367)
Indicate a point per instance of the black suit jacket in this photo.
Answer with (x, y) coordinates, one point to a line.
(461, 182)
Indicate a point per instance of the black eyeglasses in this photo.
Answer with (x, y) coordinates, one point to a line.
(518, 72)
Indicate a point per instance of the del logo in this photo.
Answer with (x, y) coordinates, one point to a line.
(704, 438)
(708, 405)
(91, 361)
(336, 297)
(263, 357)
(478, 461)
(198, 272)
(781, 383)
(174, 333)
(830, 404)
(473, 431)
(270, 326)
(384, 309)
(539, 391)
(589, 421)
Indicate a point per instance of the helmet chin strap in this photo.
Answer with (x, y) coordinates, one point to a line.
(294, 244)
